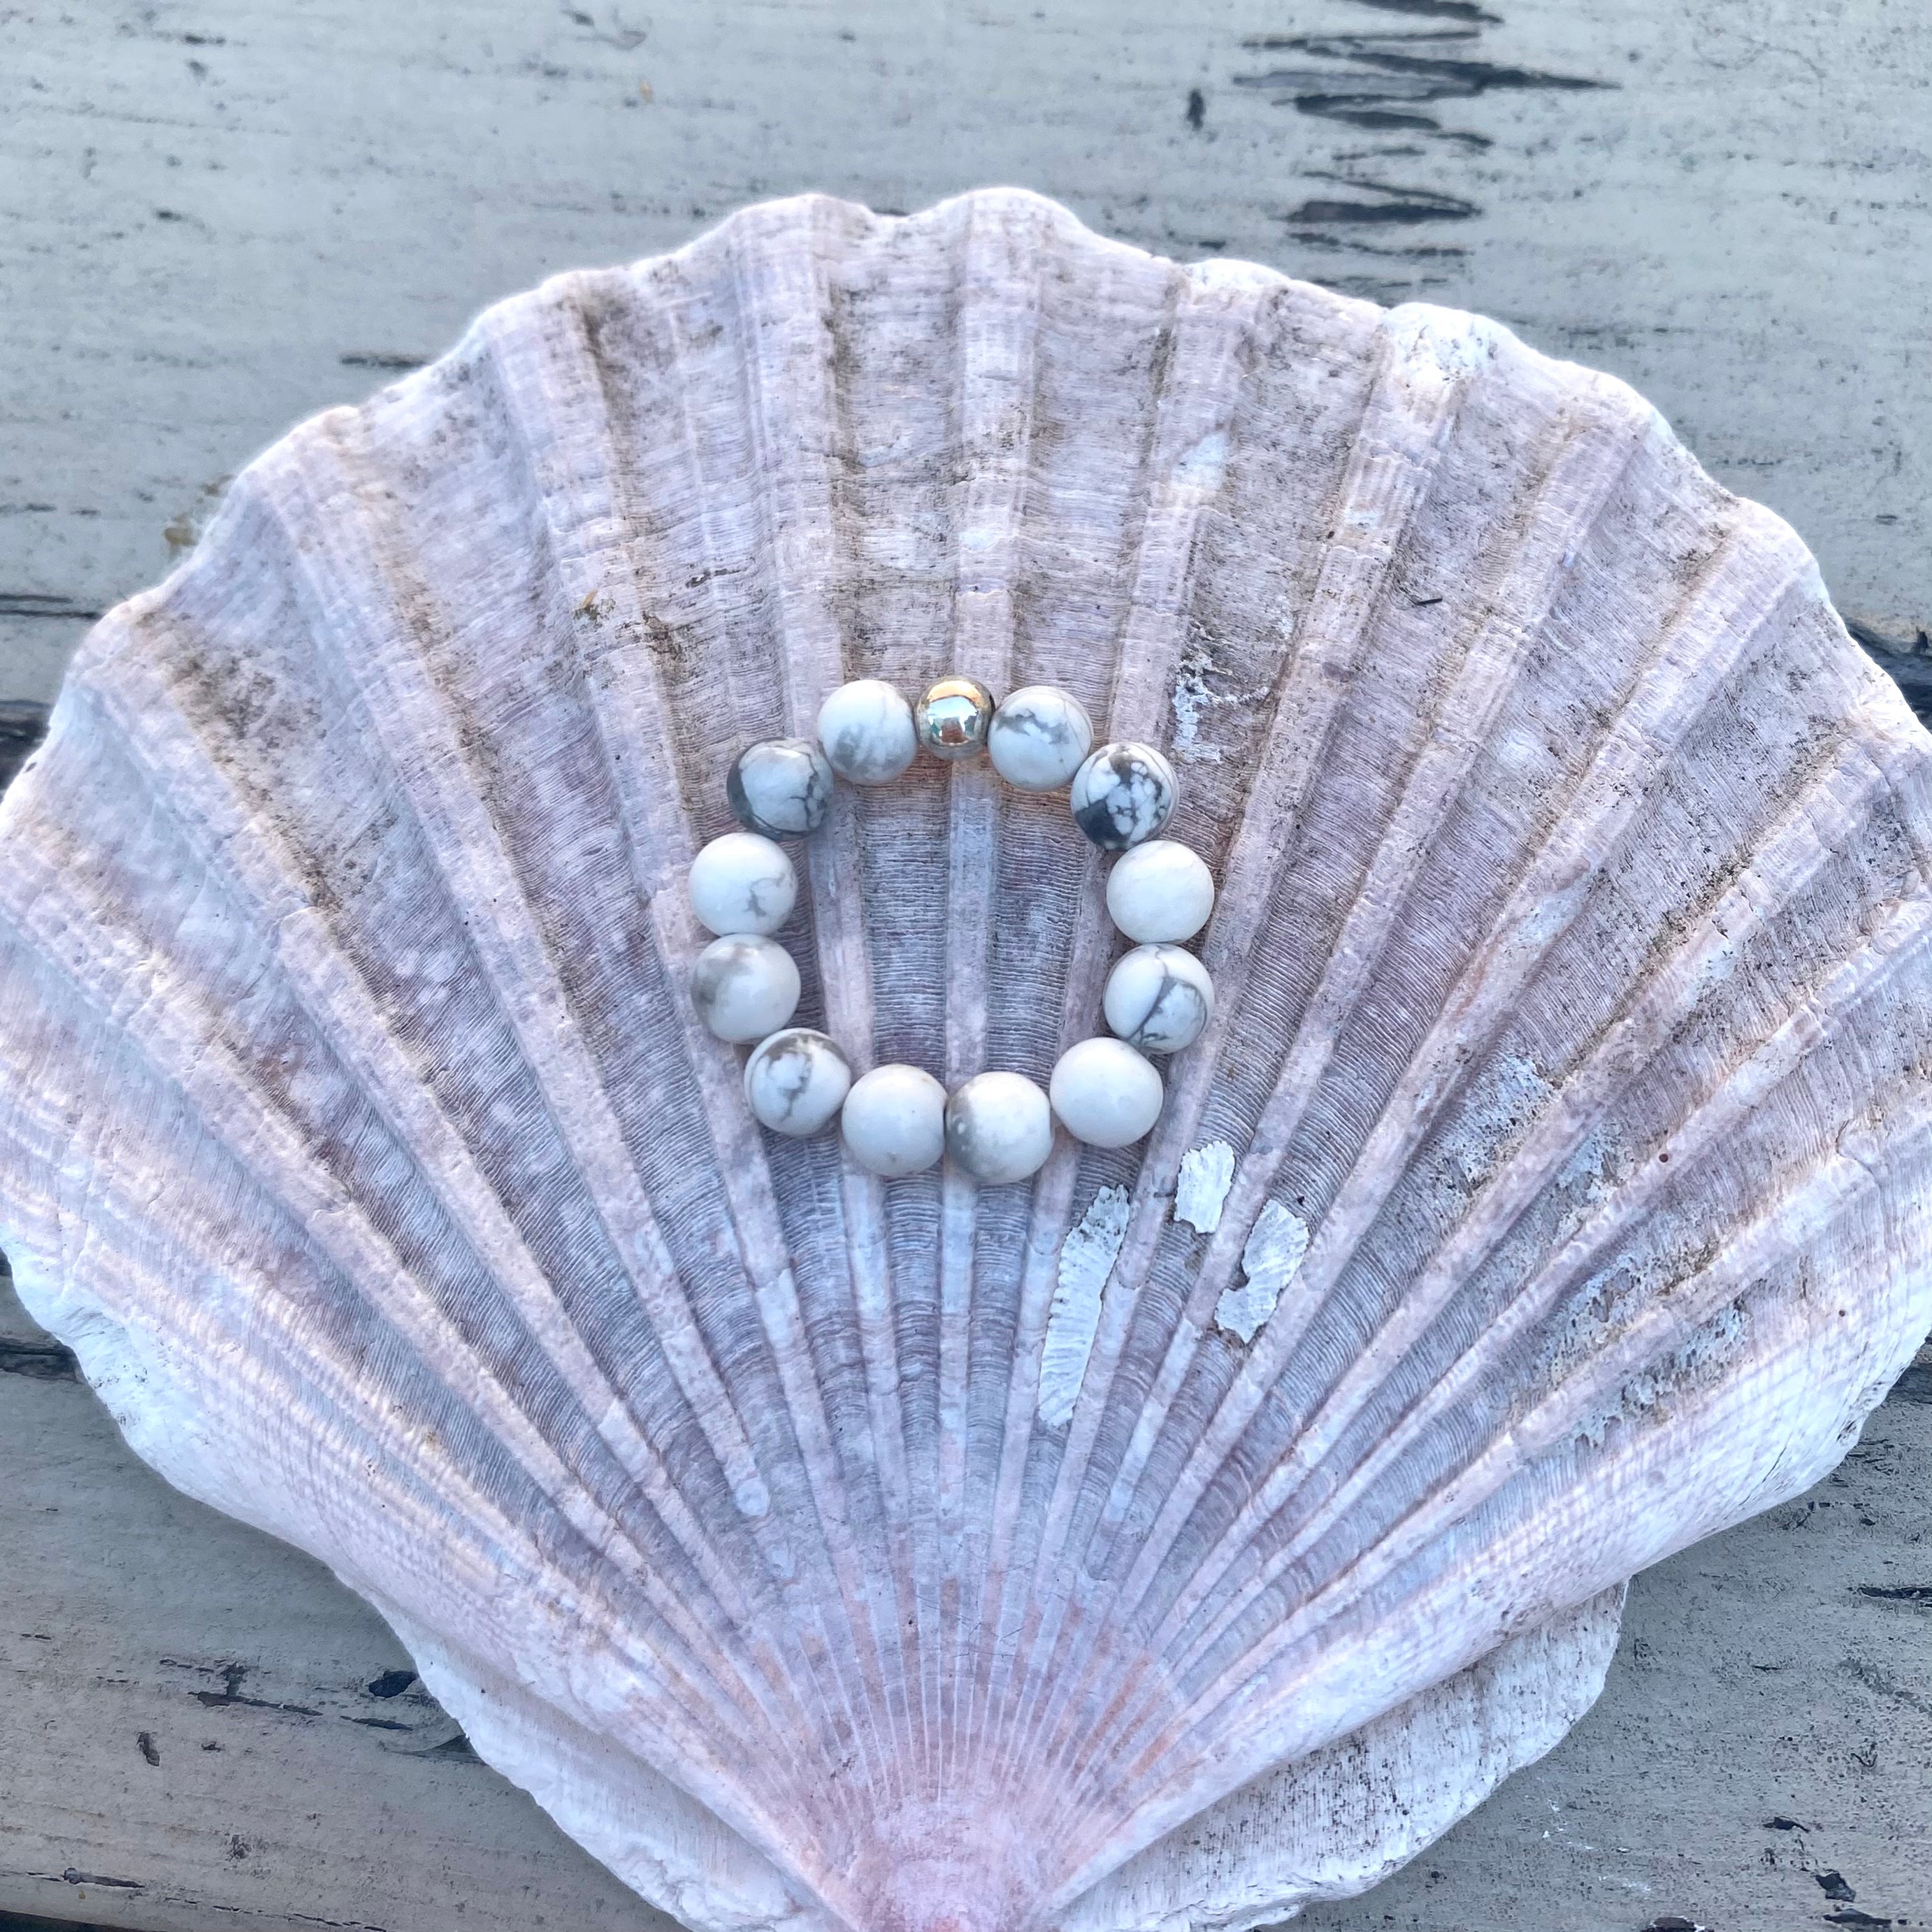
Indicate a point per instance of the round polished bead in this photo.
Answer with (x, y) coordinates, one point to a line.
(1123, 794)
(1160, 891)
(999, 1127)
(894, 1120)
(1159, 998)
(781, 786)
(1038, 737)
(795, 1081)
(866, 729)
(742, 883)
(1104, 1093)
(744, 987)
(952, 717)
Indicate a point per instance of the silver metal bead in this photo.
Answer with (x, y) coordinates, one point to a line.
(952, 717)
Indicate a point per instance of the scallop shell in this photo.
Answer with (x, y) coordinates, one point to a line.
(1202, 1526)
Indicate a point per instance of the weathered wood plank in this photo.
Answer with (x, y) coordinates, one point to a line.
(219, 216)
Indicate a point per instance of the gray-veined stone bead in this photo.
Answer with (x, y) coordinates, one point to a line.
(744, 987)
(866, 730)
(1038, 737)
(795, 1081)
(999, 1127)
(1123, 792)
(1159, 998)
(894, 1121)
(742, 883)
(780, 787)
(1104, 1093)
(952, 716)
(1160, 891)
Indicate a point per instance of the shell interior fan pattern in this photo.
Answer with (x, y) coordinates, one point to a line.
(846, 1556)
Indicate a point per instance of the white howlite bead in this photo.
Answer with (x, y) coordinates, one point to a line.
(1124, 793)
(1160, 891)
(1038, 738)
(742, 883)
(866, 729)
(894, 1120)
(999, 1127)
(781, 786)
(744, 987)
(795, 1081)
(1104, 1093)
(1159, 998)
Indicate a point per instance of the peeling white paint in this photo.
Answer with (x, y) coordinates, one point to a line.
(1087, 1258)
(1270, 1262)
(1206, 1173)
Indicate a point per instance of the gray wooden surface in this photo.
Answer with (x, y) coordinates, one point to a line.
(217, 217)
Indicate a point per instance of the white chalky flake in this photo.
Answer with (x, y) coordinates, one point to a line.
(1206, 1173)
(1087, 1258)
(1270, 1262)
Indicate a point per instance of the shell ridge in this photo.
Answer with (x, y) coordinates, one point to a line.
(1818, 823)
(596, 1528)
(1291, 1833)
(1439, 1508)
(1207, 375)
(1572, 503)
(1784, 862)
(1556, 869)
(846, 982)
(750, 1187)
(356, 1461)
(997, 275)
(507, 1260)
(204, 1072)
(681, 1868)
(583, 495)
(1363, 478)
(1375, 471)
(1747, 1253)
(1447, 1647)
(1619, 801)
(1781, 1051)
(325, 983)
(1800, 1357)
(1451, 734)
(1015, 1621)
(1054, 1187)
(786, 369)
(1200, 378)
(842, 949)
(1239, 1756)
(477, 871)
(604, 1161)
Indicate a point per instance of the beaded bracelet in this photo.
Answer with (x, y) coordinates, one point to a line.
(899, 1120)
